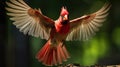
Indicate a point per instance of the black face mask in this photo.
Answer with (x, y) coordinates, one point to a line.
(65, 22)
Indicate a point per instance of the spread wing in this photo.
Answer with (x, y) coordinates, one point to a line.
(29, 21)
(84, 27)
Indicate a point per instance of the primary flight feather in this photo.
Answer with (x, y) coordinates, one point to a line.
(32, 22)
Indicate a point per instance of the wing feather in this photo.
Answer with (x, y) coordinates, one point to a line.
(84, 27)
(29, 21)
(15, 6)
(19, 4)
(16, 14)
(15, 11)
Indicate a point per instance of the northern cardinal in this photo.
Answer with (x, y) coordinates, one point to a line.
(32, 22)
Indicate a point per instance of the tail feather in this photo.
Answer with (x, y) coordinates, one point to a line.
(59, 59)
(65, 52)
(48, 58)
(42, 53)
(52, 55)
(61, 54)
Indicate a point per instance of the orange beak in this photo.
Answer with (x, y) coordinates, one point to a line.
(65, 17)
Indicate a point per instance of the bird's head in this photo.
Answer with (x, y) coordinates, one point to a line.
(64, 11)
(64, 15)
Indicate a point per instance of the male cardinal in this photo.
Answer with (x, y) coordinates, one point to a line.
(32, 22)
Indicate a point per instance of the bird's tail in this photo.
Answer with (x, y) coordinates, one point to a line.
(52, 55)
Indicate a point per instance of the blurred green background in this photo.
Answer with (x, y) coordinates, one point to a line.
(19, 50)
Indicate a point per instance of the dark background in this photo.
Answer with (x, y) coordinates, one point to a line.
(18, 50)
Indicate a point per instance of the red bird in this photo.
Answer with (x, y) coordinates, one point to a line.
(33, 22)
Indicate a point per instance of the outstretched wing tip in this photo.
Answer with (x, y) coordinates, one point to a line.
(85, 27)
(18, 12)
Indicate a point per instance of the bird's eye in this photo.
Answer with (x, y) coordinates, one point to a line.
(62, 17)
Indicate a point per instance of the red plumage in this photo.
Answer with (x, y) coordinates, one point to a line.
(33, 22)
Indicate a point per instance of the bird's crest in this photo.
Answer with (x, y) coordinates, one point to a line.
(64, 11)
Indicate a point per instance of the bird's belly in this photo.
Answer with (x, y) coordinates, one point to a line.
(63, 29)
(59, 34)
(56, 38)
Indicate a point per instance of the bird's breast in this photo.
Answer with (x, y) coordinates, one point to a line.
(62, 29)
